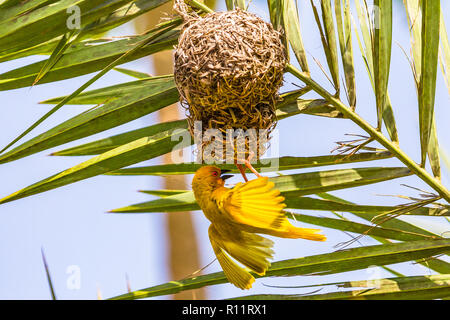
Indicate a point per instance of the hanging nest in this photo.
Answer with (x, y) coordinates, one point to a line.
(228, 69)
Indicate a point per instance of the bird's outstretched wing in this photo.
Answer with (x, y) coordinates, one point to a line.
(258, 205)
(254, 203)
(252, 250)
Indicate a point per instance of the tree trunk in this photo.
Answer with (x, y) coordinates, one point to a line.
(183, 250)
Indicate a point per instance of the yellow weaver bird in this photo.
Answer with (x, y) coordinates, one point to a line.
(236, 216)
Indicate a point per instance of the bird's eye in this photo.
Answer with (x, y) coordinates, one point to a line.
(215, 173)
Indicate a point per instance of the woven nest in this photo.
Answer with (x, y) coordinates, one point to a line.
(228, 69)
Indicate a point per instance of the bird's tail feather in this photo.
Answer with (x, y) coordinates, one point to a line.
(235, 274)
(303, 233)
(252, 250)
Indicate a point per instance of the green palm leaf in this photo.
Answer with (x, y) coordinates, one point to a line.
(330, 263)
(291, 186)
(158, 93)
(427, 84)
(401, 288)
(86, 60)
(142, 149)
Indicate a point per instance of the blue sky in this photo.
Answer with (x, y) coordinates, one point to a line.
(71, 225)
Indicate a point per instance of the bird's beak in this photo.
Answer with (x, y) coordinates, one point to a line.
(226, 176)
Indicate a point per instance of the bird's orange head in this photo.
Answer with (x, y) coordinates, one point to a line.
(209, 178)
